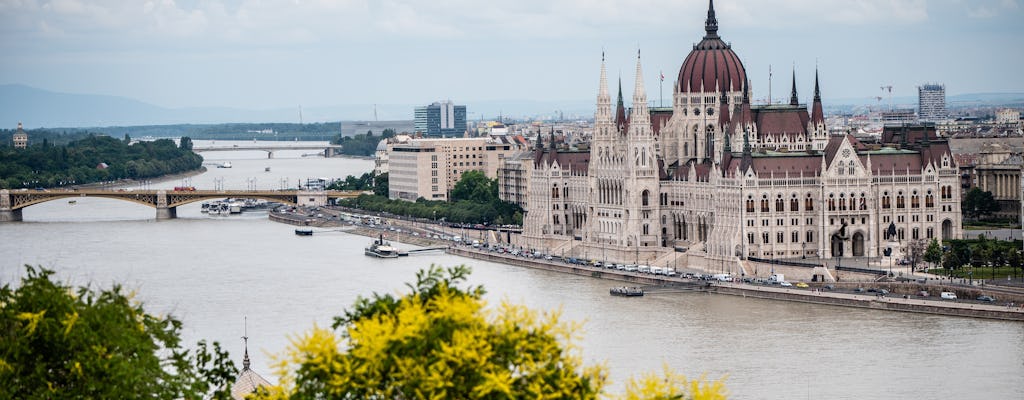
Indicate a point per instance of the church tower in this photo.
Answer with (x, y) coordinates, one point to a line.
(816, 125)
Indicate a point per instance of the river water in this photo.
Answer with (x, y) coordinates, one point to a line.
(213, 271)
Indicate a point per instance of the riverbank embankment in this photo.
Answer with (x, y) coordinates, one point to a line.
(816, 294)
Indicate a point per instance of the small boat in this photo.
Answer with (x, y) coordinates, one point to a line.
(205, 207)
(626, 291)
(381, 249)
(267, 169)
(304, 232)
(226, 164)
(72, 202)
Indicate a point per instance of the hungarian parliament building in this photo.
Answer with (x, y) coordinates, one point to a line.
(720, 180)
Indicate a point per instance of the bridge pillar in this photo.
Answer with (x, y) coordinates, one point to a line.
(7, 211)
(166, 212)
(311, 198)
(10, 215)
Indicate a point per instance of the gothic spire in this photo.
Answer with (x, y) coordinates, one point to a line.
(603, 94)
(793, 100)
(245, 341)
(552, 144)
(711, 24)
(639, 113)
(817, 114)
(620, 110)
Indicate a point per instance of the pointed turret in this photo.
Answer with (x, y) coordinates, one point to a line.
(711, 24)
(604, 101)
(639, 113)
(793, 100)
(748, 158)
(723, 108)
(620, 110)
(817, 115)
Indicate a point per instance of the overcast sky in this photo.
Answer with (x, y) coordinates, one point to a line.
(274, 54)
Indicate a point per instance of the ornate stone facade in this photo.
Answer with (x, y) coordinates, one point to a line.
(762, 181)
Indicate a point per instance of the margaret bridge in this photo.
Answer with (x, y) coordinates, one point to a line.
(164, 201)
(329, 150)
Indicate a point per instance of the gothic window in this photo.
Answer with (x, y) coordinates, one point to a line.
(915, 200)
(853, 170)
(750, 204)
(644, 198)
(863, 202)
(842, 202)
(696, 111)
(900, 200)
(764, 237)
(809, 203)
(554, 192)
(779, 204)
(795, 237)
(831, 202)
(885, 200)
(750, 237)
(780, 237)
(810, 236)
(764, 203)
(929, 200)
(794, 204)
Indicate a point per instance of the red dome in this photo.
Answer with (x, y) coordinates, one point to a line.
(712, 64)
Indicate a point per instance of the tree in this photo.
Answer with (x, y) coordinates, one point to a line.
(185, 143)
(61, 342)
(380, 185)
(933, 254)
(439, 341)
(916, 249)
(977, 203)
(476, 187)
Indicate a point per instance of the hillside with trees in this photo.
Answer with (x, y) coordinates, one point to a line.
(363, 144)
(93, 159)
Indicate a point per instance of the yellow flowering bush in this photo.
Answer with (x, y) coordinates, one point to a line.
(442, 342)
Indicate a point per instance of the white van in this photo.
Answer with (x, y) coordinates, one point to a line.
(722, 277)
(644, 269)
(948, 295)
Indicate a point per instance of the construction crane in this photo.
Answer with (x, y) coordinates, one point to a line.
(888, 88)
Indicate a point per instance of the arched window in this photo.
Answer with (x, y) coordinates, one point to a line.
(831, 202)
(779, 204)
(886, 202)
(809, 203)
(644, 197)
(929, 199)
(915, 200)
(794, 204)
(900, 200)
(750, 204)
(764, 203)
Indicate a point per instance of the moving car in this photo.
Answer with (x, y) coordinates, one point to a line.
(987, 299)
(801, 285)
(948, 295)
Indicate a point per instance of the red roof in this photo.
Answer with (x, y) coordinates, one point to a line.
(711, 66)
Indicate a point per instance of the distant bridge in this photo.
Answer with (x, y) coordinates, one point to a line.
(329, 150)
(164, 201)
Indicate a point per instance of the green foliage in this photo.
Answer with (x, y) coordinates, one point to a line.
(60, 342)
(361, 145)
(982, 253)
(76, 163)
(933, 254)
(474, 186)
(380, 185)
(363, 182)
(474, 201)
(977, 203)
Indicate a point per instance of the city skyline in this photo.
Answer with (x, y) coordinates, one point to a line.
(288, 54)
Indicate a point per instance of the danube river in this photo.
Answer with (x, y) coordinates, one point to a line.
(212, 271)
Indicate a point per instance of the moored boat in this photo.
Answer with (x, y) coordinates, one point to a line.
(304, 232)
(626, 291)
(381, 249)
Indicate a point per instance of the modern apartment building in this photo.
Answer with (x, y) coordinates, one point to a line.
(440, 119)
(430, 167)
(931, 102)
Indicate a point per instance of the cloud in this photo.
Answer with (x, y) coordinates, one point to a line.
(990, 9)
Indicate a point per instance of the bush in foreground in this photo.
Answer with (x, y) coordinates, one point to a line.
(60, 342)
(440, 341)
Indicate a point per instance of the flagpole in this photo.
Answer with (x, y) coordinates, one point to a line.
(661, 90)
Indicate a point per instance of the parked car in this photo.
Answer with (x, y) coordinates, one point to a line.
(987, 299)
(948, 295)
(829, 287)
(801, 285)
(785, 284)
(923, 293)
(859, 290)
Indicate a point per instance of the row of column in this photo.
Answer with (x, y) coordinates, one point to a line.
(1003, 185)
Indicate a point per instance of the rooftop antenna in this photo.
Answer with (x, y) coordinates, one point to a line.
(769, 84)
(375, 113)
